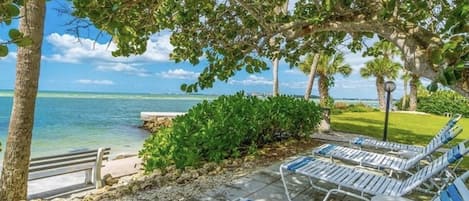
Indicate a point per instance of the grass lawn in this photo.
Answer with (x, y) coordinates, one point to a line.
(405, 128)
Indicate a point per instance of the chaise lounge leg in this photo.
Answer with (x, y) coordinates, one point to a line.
(284, 184)
(344, 192)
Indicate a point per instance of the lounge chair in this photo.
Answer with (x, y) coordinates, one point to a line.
(393, 146)
(455, 191)
(366, 183)
(384, 161)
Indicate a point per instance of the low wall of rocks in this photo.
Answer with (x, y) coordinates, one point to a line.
(153, 121)
(153, 125)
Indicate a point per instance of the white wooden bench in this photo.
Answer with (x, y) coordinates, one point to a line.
(89, 161)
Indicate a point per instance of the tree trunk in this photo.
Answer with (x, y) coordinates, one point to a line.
(323, 90)
(275, 76)
(413, 93)
(17, 153)
(381, 95)
(312, 74)
(404, 98)
(325, 125)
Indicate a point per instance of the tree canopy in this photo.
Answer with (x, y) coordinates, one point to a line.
(233, 35)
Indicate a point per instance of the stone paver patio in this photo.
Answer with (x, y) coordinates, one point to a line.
(266, 185)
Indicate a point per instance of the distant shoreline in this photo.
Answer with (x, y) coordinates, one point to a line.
(90, 94)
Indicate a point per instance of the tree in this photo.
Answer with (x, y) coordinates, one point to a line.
(380, 68)
(405, 77)
(233, 36)
(327, 67)
(309, 66)
(414, 83)
(279, 10)
(18, 147)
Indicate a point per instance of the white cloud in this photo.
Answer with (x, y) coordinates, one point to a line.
(179, 74)
(70, 49)
(252, 80)
(122, 67)
(95, 82)
(294, 71)
(295, 85)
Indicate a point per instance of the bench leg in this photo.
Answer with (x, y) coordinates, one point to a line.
(88, 175)
(97, 178)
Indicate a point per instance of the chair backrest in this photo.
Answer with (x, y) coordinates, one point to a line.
(455, 191)
(434, 167)
(450, 124)
(435, 144)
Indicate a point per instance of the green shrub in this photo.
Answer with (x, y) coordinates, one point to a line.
(443, 101)
(439, 102)
(341, 107)
(229, 126)
(360, 107)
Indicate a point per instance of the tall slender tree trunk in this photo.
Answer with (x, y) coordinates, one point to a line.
(413, 92)
(404, 98)
(325, 124)
(17, 153)
(381, 95)
(275, 76)
(312, 74)
(323, 90)
(279, 9)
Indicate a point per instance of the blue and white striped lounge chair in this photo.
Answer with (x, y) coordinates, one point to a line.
(393, 146)
(456, 191)
(360, 184)
(384, 161)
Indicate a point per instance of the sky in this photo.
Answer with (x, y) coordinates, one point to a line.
(71, 63)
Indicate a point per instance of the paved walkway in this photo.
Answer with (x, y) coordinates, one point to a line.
(263, 185)
(266, 184)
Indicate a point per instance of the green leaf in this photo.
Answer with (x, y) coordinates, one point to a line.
(432, 87)
(3, 51)
(115, 7)
(14, 34)
(24, 42)
(12, 10)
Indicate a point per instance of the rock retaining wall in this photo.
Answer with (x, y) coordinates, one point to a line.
(153, 125)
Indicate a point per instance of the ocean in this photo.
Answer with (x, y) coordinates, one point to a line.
(71, 121)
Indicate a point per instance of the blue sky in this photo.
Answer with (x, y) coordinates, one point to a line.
(72, 64)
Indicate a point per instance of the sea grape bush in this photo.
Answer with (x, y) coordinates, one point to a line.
(341, 107)
(439, 102)
(443, 101)
(229, 126)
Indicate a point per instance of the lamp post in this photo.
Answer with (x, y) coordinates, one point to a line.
(389, 87)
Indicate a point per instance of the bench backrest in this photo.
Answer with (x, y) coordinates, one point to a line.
(66, 163)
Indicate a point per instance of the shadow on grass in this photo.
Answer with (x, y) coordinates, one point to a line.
(394, 134)
(363, 120)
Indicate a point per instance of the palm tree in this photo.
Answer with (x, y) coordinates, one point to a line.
(327, 67)
(380, 68)
(281, 9)
(405, 77)
(309, 66)
(414, 82)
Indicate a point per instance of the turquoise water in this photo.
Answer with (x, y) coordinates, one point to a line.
(70, 121)
(67, 122)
